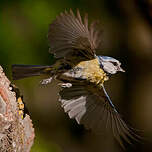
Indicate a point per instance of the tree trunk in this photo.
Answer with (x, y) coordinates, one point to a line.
(16, 132)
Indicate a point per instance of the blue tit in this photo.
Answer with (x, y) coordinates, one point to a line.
(110, 65)
(81, 74)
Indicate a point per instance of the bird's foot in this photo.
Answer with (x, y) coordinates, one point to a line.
(46, 81)
(65, 85)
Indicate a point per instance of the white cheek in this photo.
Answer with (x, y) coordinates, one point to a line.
(109, 68)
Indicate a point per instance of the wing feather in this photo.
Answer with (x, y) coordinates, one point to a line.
(68, 33)
(93, 109)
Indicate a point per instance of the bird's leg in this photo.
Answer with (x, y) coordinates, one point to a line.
(65, 85)
(46, 81)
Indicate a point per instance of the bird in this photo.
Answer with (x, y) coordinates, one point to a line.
(81, 74)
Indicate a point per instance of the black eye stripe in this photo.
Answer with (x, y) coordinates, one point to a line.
(115, 63)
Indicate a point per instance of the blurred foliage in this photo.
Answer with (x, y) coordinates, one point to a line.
(42, 145)
(127, 36)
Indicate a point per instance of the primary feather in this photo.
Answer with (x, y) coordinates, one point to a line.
(69, 33)
(91, 107)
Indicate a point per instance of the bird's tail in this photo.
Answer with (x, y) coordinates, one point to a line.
(23, 71)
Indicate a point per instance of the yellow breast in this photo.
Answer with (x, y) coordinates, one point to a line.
(92, 71)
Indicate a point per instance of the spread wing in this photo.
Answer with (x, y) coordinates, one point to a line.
(92, 107)
(69, 34)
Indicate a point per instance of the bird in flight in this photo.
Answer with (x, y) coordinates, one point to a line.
(81, 74)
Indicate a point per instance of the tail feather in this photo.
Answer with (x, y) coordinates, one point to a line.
(23, 71)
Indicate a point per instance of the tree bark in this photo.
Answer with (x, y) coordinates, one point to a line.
(16, 133)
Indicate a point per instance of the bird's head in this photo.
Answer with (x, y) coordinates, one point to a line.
(110, 65)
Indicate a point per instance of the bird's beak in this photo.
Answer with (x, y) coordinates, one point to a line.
(120, 69)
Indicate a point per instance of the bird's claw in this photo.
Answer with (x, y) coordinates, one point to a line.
(46, 81)
(65, 85)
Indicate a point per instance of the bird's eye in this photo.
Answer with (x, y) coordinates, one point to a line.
(114, 63)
